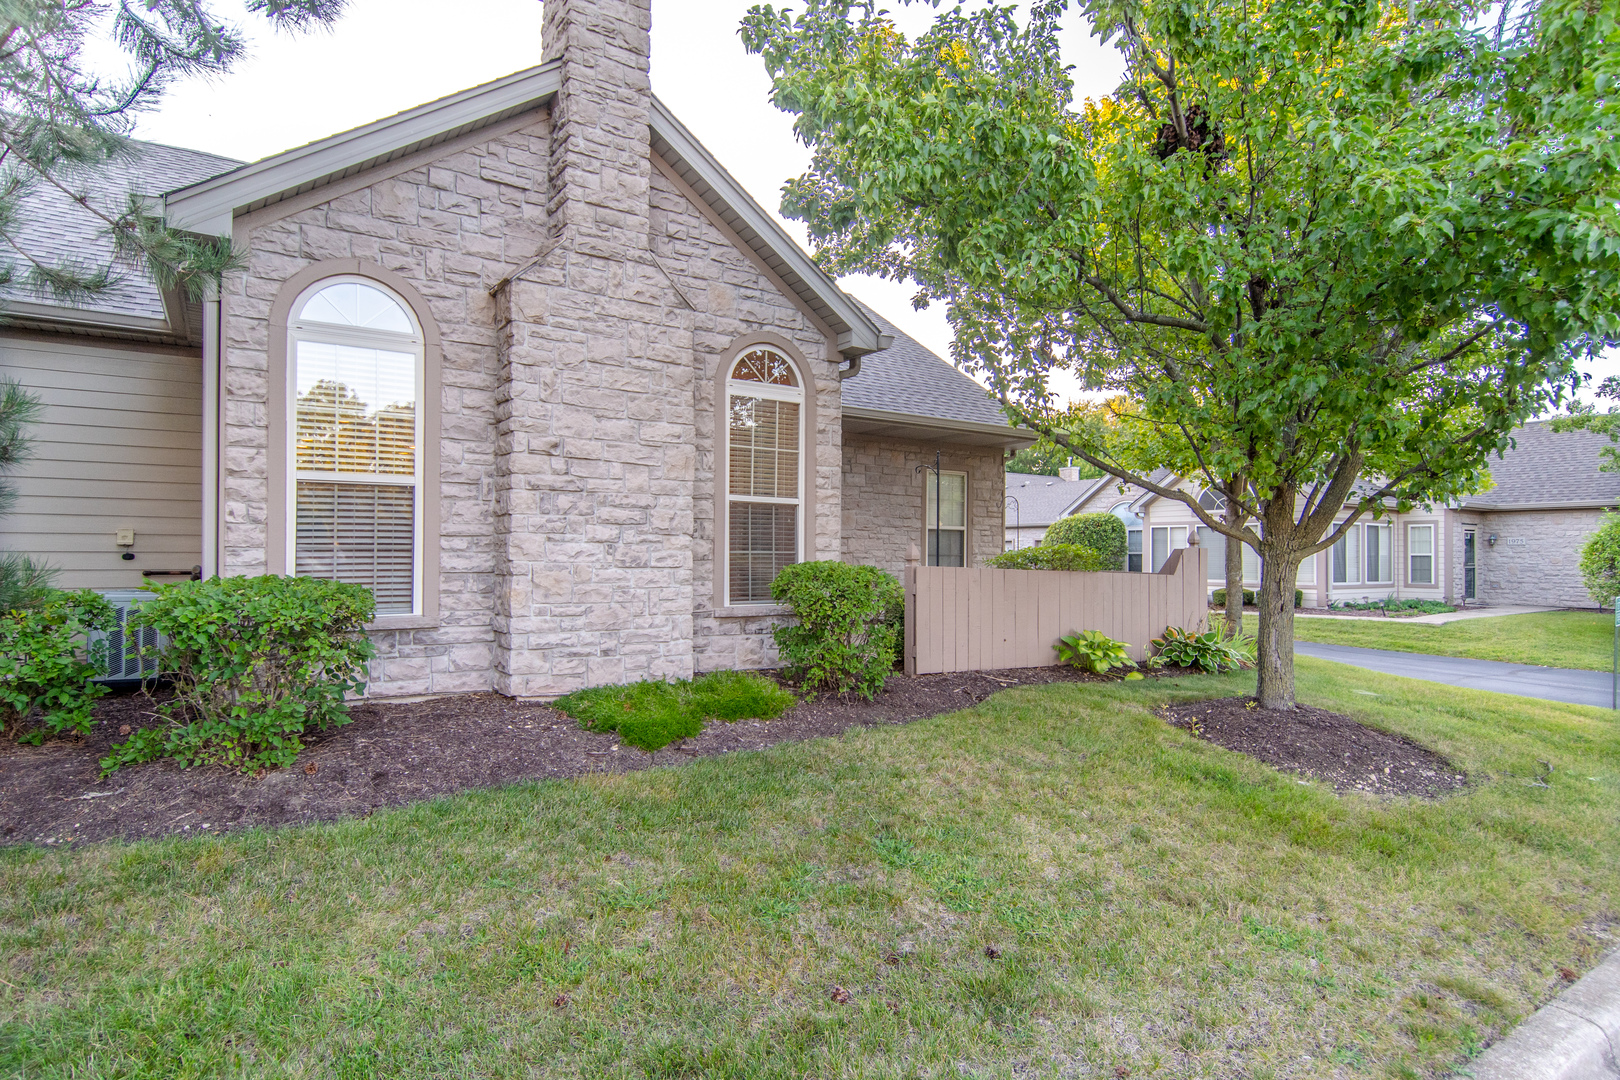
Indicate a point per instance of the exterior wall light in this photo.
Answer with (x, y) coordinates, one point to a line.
(1491, 540)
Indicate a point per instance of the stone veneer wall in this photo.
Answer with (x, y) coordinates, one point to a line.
(884, 498)
(1544, 570)
(603, 496)
(451, 226)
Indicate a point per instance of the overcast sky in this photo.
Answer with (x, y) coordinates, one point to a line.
(389, 55)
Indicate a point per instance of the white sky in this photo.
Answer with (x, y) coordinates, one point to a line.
(389, 55)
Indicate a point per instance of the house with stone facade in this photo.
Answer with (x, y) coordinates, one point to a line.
(1518, 542)
(526, 361)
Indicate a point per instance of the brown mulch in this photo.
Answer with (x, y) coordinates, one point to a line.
(1321, 745)
(397, 753)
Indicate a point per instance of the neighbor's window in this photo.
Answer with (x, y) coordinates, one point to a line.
(356, 515)
(764, 467)
(1420, 554)
(1133, 534)
(1380, 562)
(948, 545)
(1167, 538)
(1346, 557)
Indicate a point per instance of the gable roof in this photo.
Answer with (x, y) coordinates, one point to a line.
(57, 229)
(1548, 469)
(1042, 500)
(210, 206)
(906, 391)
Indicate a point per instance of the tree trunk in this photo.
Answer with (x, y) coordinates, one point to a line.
(1234, 573)
(1275, 648)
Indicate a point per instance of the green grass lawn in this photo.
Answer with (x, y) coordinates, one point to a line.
(1157, 903)
(1567, 639)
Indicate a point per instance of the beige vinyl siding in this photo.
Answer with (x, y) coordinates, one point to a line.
(118, 446)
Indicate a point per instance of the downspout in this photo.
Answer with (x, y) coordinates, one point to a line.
(212, 480)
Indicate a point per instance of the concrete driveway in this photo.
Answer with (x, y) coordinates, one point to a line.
(1551, 684)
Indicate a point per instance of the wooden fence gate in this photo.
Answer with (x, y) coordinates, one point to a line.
(975, 619)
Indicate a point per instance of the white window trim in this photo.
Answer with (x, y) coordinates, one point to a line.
(928, 520)
(1169, 544)
(1432, 556)
(747, 388)
(1356, 565)
(327, 333)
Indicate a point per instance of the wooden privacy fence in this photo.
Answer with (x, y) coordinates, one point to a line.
(973, 619)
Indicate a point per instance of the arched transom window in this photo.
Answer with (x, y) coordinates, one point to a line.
(1133, 534)
(355, 364)
(765, 472)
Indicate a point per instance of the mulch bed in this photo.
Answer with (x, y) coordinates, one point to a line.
(392, 754)
(1321, 745)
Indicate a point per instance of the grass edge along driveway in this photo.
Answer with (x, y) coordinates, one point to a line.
(1560, 639)
(831, 908)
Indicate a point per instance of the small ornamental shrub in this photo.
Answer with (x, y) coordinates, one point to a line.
(1218, 598)
(1102, 533)
(1092, 650)
(843, 636)
(1206, 652)
(1051, 557)
(1394, 608)
(1600, 562)
(651, 715)
(255, 663)
(46, 664)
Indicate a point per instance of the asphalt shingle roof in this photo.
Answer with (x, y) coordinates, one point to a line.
(908, 378)
(1044, 499)
(1548, 466)
(52, 228)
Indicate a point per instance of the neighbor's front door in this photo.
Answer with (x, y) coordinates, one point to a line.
(1468, 564)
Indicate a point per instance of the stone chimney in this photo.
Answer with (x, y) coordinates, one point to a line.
(600, 164)
(595, 453)
(1069, 473)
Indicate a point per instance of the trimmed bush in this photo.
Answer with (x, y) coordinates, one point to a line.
(651, 715)
(1218, 597)
(1102, 533)
(255, 663)
(46, 666)
(1600, 562)
(843, 639)
(1051, 557)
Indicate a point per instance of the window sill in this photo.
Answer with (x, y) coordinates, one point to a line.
(750, 611)
(403, 622)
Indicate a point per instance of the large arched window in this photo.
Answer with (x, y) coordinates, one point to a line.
(764, 472)
(1133, 534)
(355, 355)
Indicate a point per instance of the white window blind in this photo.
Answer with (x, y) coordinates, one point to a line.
(764, 467)
(1380, 563)
(948, 545)
(1346, 557)
(1420, 554)
(1165, 540)
(356, 445)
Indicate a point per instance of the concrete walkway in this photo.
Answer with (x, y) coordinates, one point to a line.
(1576, 1036)
(1442, 618)
(1551, 684)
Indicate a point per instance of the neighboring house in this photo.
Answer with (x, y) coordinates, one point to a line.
(525, 361)
(1035, 502)
(1518, 542)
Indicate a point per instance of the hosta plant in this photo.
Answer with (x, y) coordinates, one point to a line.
(1206, 651)
(1092, 650)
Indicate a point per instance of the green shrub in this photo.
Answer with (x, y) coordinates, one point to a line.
(1206, 651)
(255, 663)
(1102, 533)
(1051, 557)
(1600, 562)
(1218, 597)
(1092, 650)
(1397, 608)
(46, 665)
(651, 715)
(843, 639)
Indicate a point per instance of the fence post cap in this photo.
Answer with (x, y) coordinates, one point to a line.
(1192, 537)
(913, 554)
